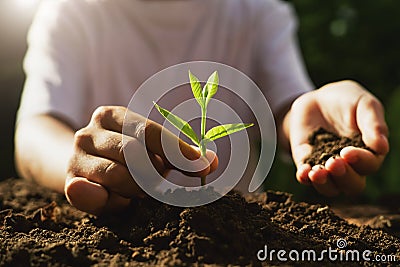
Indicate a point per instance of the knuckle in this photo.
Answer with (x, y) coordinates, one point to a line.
(101, 114)
(345, 85)
(144, 130)
(350, 83)
(74, 165)
(82, 137)
(373, 103)
(112, 170)
(297, 102)
(383, 129)
(121, 146)
(302, 101)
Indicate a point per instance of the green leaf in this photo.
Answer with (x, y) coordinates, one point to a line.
(196, 89)
(211, 87)
(180, 124)
(227, 129)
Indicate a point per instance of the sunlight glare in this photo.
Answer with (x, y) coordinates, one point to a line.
(26, 4)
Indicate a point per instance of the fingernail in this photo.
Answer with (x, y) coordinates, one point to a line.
(317, 167)
(330, 161)
(321, 179)
(303, 167)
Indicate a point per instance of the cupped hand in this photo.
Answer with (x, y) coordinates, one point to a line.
(98, 178)
(345, 108)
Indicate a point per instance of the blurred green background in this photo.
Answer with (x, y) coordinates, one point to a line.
(340, 39)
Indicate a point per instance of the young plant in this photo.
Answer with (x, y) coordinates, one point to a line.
(203, 96)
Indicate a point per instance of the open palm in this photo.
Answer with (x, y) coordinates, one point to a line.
(344, 108)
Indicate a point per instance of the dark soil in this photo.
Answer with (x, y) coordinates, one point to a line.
(39, 228)
(327, 144)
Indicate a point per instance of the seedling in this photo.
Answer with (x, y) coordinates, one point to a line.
(203, 97)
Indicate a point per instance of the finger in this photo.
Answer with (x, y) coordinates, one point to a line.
(85, 195)
(319, 177)
(110, 174)
(351, 183)
(141, 128)
(108, 144)
(93, 198)
(361, 160)
(150, 133)
(335, 166)
(304, 116)
(112, 118)
(104, 143)
(159, 164)
(142, 168)
(299, 153)
(302, 174)
(318, 174)
(211, 157)
(181, 155)
(371, 122)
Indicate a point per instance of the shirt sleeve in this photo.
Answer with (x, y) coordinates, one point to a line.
(280, 73)
(54, 65)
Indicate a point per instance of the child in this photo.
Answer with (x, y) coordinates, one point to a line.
(85, 56)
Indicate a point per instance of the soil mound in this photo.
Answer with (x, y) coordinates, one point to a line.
(39, 228)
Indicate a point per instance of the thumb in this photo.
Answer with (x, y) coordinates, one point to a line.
(372, 125)
(86, 195)
(211, 157)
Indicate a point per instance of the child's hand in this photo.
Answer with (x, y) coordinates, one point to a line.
(345, 108)
(98, 178)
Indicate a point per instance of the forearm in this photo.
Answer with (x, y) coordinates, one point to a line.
(43, 146)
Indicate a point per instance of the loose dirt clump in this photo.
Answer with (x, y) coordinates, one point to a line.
(327, 144)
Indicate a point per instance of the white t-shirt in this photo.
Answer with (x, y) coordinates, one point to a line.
(87, 53)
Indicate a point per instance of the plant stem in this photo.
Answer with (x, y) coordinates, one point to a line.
(203, 131)
(203, 180)
(203, 147)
